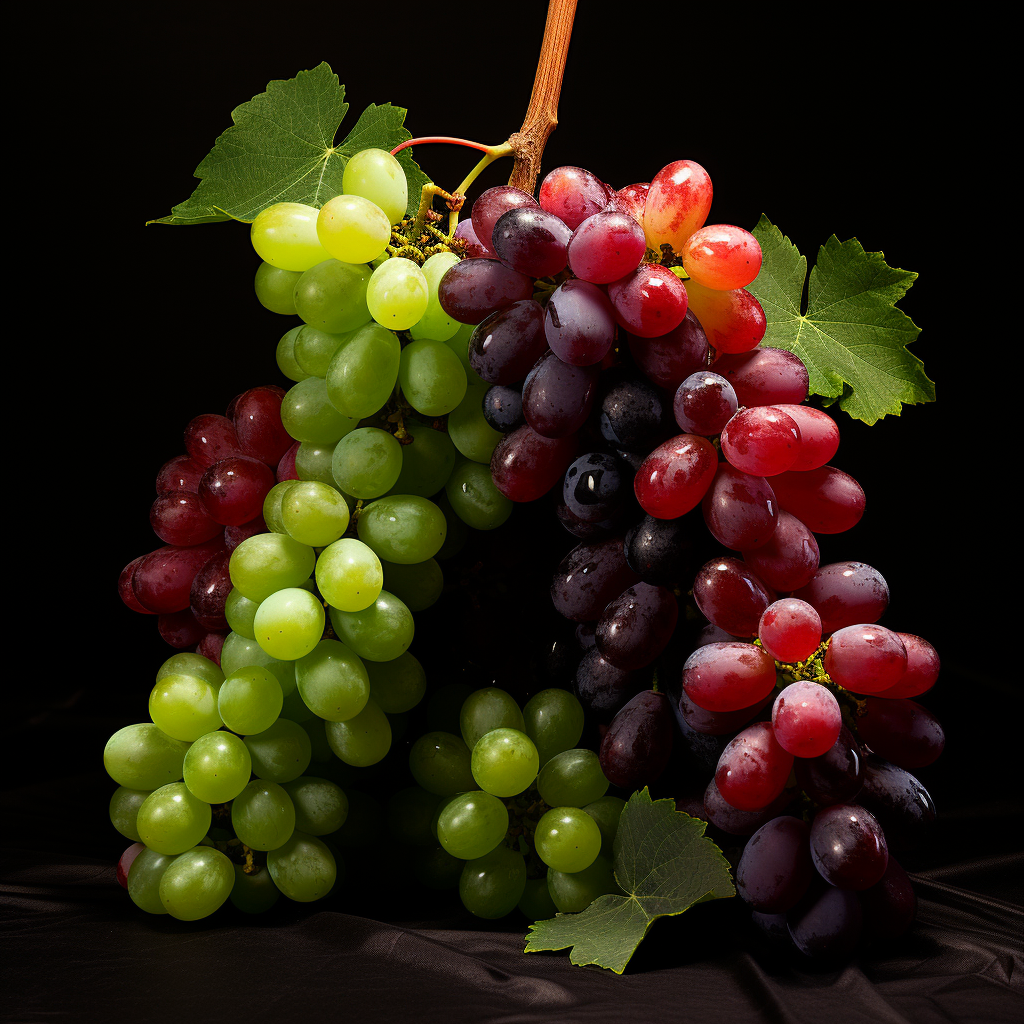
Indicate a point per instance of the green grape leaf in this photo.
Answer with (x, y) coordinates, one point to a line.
(281, 148)
(663, 864)
(852, 338)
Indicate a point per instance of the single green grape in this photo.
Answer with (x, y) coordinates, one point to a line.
(573, 892)
(314, 513)
(419, 585)
(196, 884)
(275, 288)
(124, 811)
(504, 762)
(308, 415)
(367, 462)
(273, 504)
(313, 462)
(253, 893)
(143, 757)
(409, 816)
(320, 805)
(285, 355)
(492, 885)
(333, 681)
(397, 685)
(240, 612)
(363, 739)
(353, 229)
(314, 349)
(475, 499)
(262, 815)
(572, 778)
(440, 763)
(606, 811)
(403, 528)
(431, 377)
(376, 175)
(250, 700)
(289, 623)
(459, 344)
(268, 562)
(172, 820)
(184, 707)
(332, 297)
(364, 371)
(554, 721)
(487, 709)
(349, 575)
(536, 903)
(397, 294)
(281, 753)
(285, 235)
(217, 767)
(472, 824)
(239, 652)
(378, 633)
(428, 458)
(435, 323)
(144, 880)
(567, 839)
(303, 868)
(468, 429)
(184, 663)
(456, 531)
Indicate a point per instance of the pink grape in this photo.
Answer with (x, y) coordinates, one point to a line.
(728, 677)
(124, 865)
(806, 719)
(740, 510)
(632, 199)
(764, 376)
(901, 731)
(789, 558)
(922, 668)
(865, 658)
(819, 436)
(722, 257)
(605, 247)
(179, 474)
(827, 500)
(678, 203)
(210, 438)
(669, 360)
(491, 205)
(573, 194)
(790, 631)
(704, 403)
(762, 441)
(730, 595)
(845, 594)
(232, 490)
(733, 321)
(180, 518)
(753, 768)
(649, 302)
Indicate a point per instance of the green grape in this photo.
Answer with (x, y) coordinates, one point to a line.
(275, 288)
(572, 778)
(419, 586)
(437, 869)
(376, 175)
(409, 816)
(435, 323)
(554, 721)
(487, 709)
(281, 753)
(353, 229)
(397, 685)
(427, 460)
(187, 664)
(492, 885)
(397, 294)
(314, 349)
(184, 707)
(459, 344)
(285, 235)
(472, 824)
(475, 499)
(573, 892)
(273, 503)
(313, 462)
(254, 893)
(320, 805)
(349, 575)
(303, 868)
(172, 820)
(217, 767)
(143, 757)
(440, 763)
(333, 681)
(239, 652)
(320, 749)
(468, 429)
(536, 903)
(268, 562)
(308, 415)
(285, 355)
(124, 811)
(504, 762)
(315, 513)
(431, 377)
(250, 700)
(144, 880)
(567, 839)
(332, 296)
(196, 884)
(444, 708)
(606, 811)
(289, 623)
(456, 531)
(378, 633)
(240, 612)
(262, 815)
(403, 528)
(363, 373)
(367, 462)
(363, 739)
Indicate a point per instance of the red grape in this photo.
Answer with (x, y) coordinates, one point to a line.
(844, 594)
(704, 403)
(232, 490)
(806, 719)
(675, 476)
(525, 466)
(730, 676)
(649, 302)
(731, 595)
(789, 558)
(734, 321)
(573, 194)
(605, 247)
(790, 631)
(865, 658)
(922, 668)
(827, 500)
(764, 376)
(210, 438)
(739, 509)
(753, 768)
(180, 518)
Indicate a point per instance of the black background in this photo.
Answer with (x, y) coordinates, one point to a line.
(857, 129)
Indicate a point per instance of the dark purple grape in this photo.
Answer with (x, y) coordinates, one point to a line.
(731, 819)
(633, 414)
(826, 924)
(637, 625)
(578, 323)
(890, 905)
(585, 635)
(775, 869)
(596, 486)
(774, 928)
(474, 289)
(557, 397)
(670, 359)
(896, 798)
(700, 751)
(503, 407)
(531, 241)
(848, 846)
(505, 346)
(589, 577)
(704, 403)
(494, 203)
(525, 466)
(901, 731)
(836, 776)
(713, 723)
(601, 687)
(664, 551)
(638, 744)
(740, 510)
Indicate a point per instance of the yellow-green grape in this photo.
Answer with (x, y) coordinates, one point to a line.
(397, 294)
(314, 349)
(314, 513)
(363, 739)
(263, 816)
(319, 747)
(333, 681)
(554, 721)
(285, 236)
(240, 612)
(435, 322)
(332, 296)
(144, 880)
(254, 893)
(307, 414)
(349, 575)
(431, 377)
(367, 462)
(492, 885)
(196, 884)
(353, 229)
(567, 839)
(275, 288)
(240, 652)
(475, 499)
(286, 361)
(505, 762)
(428, 458)
(124, 810)
(303, 868)
(184, 707)
(185, 663)
(376, 175)
(440, 763)
(487, 709)
(217, 767)
(321, 806)
(313, 462)
(379, 633)
(281, 753)
(172, 820)
(289, 623)
(403, 528)
(418, 585)
(573, 892)
(364, 370)
(472, 824)
(143, 757)
(459, 344)
(397, 685)
(272, 506)
(468, 429)
(572, 778)
(250, 700)
(267, 562)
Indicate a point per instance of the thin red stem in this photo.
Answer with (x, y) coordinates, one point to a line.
(442, 138)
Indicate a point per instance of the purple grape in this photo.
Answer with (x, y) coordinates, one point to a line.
(637, 626)
(731, 819)
(557, 397)
(607, 246)
(704, 403)
(507, 344)
(638, 744)
(664, 551)
(492, 204)
(713, 723)
(596, 486)
(474, 289)
(531, 241)
(775, 869)
(896, 798)
(836, 776)
(589, 577)
(826, 923)
(671, 358)
(890, 905)
(579, 324)
(633, 414)
(503, 407)
(601, 687)
(740, 510)
(848, 846)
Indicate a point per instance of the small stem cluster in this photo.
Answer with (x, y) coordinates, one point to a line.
(813, 669)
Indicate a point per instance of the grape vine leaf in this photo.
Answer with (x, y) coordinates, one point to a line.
(852, 339)
(281, 148)
(663, 864)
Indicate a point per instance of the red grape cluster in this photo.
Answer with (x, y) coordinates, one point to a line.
(208, 501)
